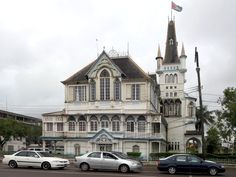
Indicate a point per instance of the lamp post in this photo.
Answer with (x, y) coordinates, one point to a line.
(200, 103)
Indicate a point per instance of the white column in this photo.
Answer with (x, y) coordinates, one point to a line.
(44, 144)
(147, 150)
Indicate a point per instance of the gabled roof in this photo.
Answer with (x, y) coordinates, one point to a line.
(171, 53)
(129, 69)
(80, 75)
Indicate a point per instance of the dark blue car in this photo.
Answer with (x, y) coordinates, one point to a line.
(190, 164)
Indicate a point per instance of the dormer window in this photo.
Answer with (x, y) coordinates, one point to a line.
(104, 85)
(93, 90)
(117, 90)
(80, 93)
(171, 41)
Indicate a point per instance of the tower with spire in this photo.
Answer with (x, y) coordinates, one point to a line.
(176, 106)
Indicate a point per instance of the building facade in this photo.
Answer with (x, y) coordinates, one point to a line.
(112, 105)
(17, 143)
(176, 106)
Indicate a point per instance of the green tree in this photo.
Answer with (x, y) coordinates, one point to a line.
(10, 128)
(213, 140)
(227, 117)
(33, 134)
(207, 115)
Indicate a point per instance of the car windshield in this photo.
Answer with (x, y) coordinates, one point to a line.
(45, 154)
(121, 155)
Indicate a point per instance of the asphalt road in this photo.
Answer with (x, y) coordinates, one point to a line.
(71, 171)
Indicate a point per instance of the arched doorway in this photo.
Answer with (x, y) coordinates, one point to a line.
(77, 149)
(193, 145)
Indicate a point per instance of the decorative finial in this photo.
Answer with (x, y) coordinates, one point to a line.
(159, 53)
(183, 50)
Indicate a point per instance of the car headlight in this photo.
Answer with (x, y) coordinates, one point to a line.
(135, 163)
(222, 166)
(56, 161)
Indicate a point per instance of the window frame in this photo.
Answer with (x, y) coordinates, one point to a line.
(105, 85)
(71, 125)
(135, 92)
(81, 93)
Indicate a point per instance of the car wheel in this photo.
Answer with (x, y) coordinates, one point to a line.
(172, 170)
(12, 164)
(124, 168)
(213, 171)
(46, 166)
(84, 167)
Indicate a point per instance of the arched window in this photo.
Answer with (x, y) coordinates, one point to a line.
(191, 109)
(171, 78)
(166, 78)
(117, 90)
(82, 123)
(166, 109)
(71, 126)
(171, 109)
(136, 148)
(93, 90)
(178, 108)
(141, 124)
(130, 124)
(104, 85)
(115, 123)
(104, 122)
(176, 79)
(93, 123)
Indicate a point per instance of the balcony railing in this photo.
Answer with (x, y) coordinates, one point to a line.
(125, 134)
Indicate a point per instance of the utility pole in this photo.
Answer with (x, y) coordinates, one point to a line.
(200, 103)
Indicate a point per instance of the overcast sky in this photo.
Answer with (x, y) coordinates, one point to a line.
(43, 42)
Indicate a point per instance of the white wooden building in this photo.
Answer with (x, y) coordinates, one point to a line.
(110, 104)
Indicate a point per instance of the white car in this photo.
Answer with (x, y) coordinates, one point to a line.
(29, 158)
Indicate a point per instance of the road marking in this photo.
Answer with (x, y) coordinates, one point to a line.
(77, 172)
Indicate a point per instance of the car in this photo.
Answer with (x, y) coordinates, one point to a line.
(30, 158)
(102, 160)
(189, 163)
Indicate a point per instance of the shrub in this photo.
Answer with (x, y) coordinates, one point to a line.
(135, 155)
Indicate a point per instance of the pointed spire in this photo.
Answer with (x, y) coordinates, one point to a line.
(171, 53)
(159, 53)
(183, 51)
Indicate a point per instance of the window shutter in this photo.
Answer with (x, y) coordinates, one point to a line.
(71, 95)
(143, 93)
(128, 92)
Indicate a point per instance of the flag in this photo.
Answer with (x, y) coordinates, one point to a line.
(176, 7)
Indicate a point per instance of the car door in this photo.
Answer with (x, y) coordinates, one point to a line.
(182, 164)
(33, 159)
(109, 161)
(21, 158)
(94, 160)
(196, 164)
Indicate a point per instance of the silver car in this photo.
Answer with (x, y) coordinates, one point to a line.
(107, 161)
